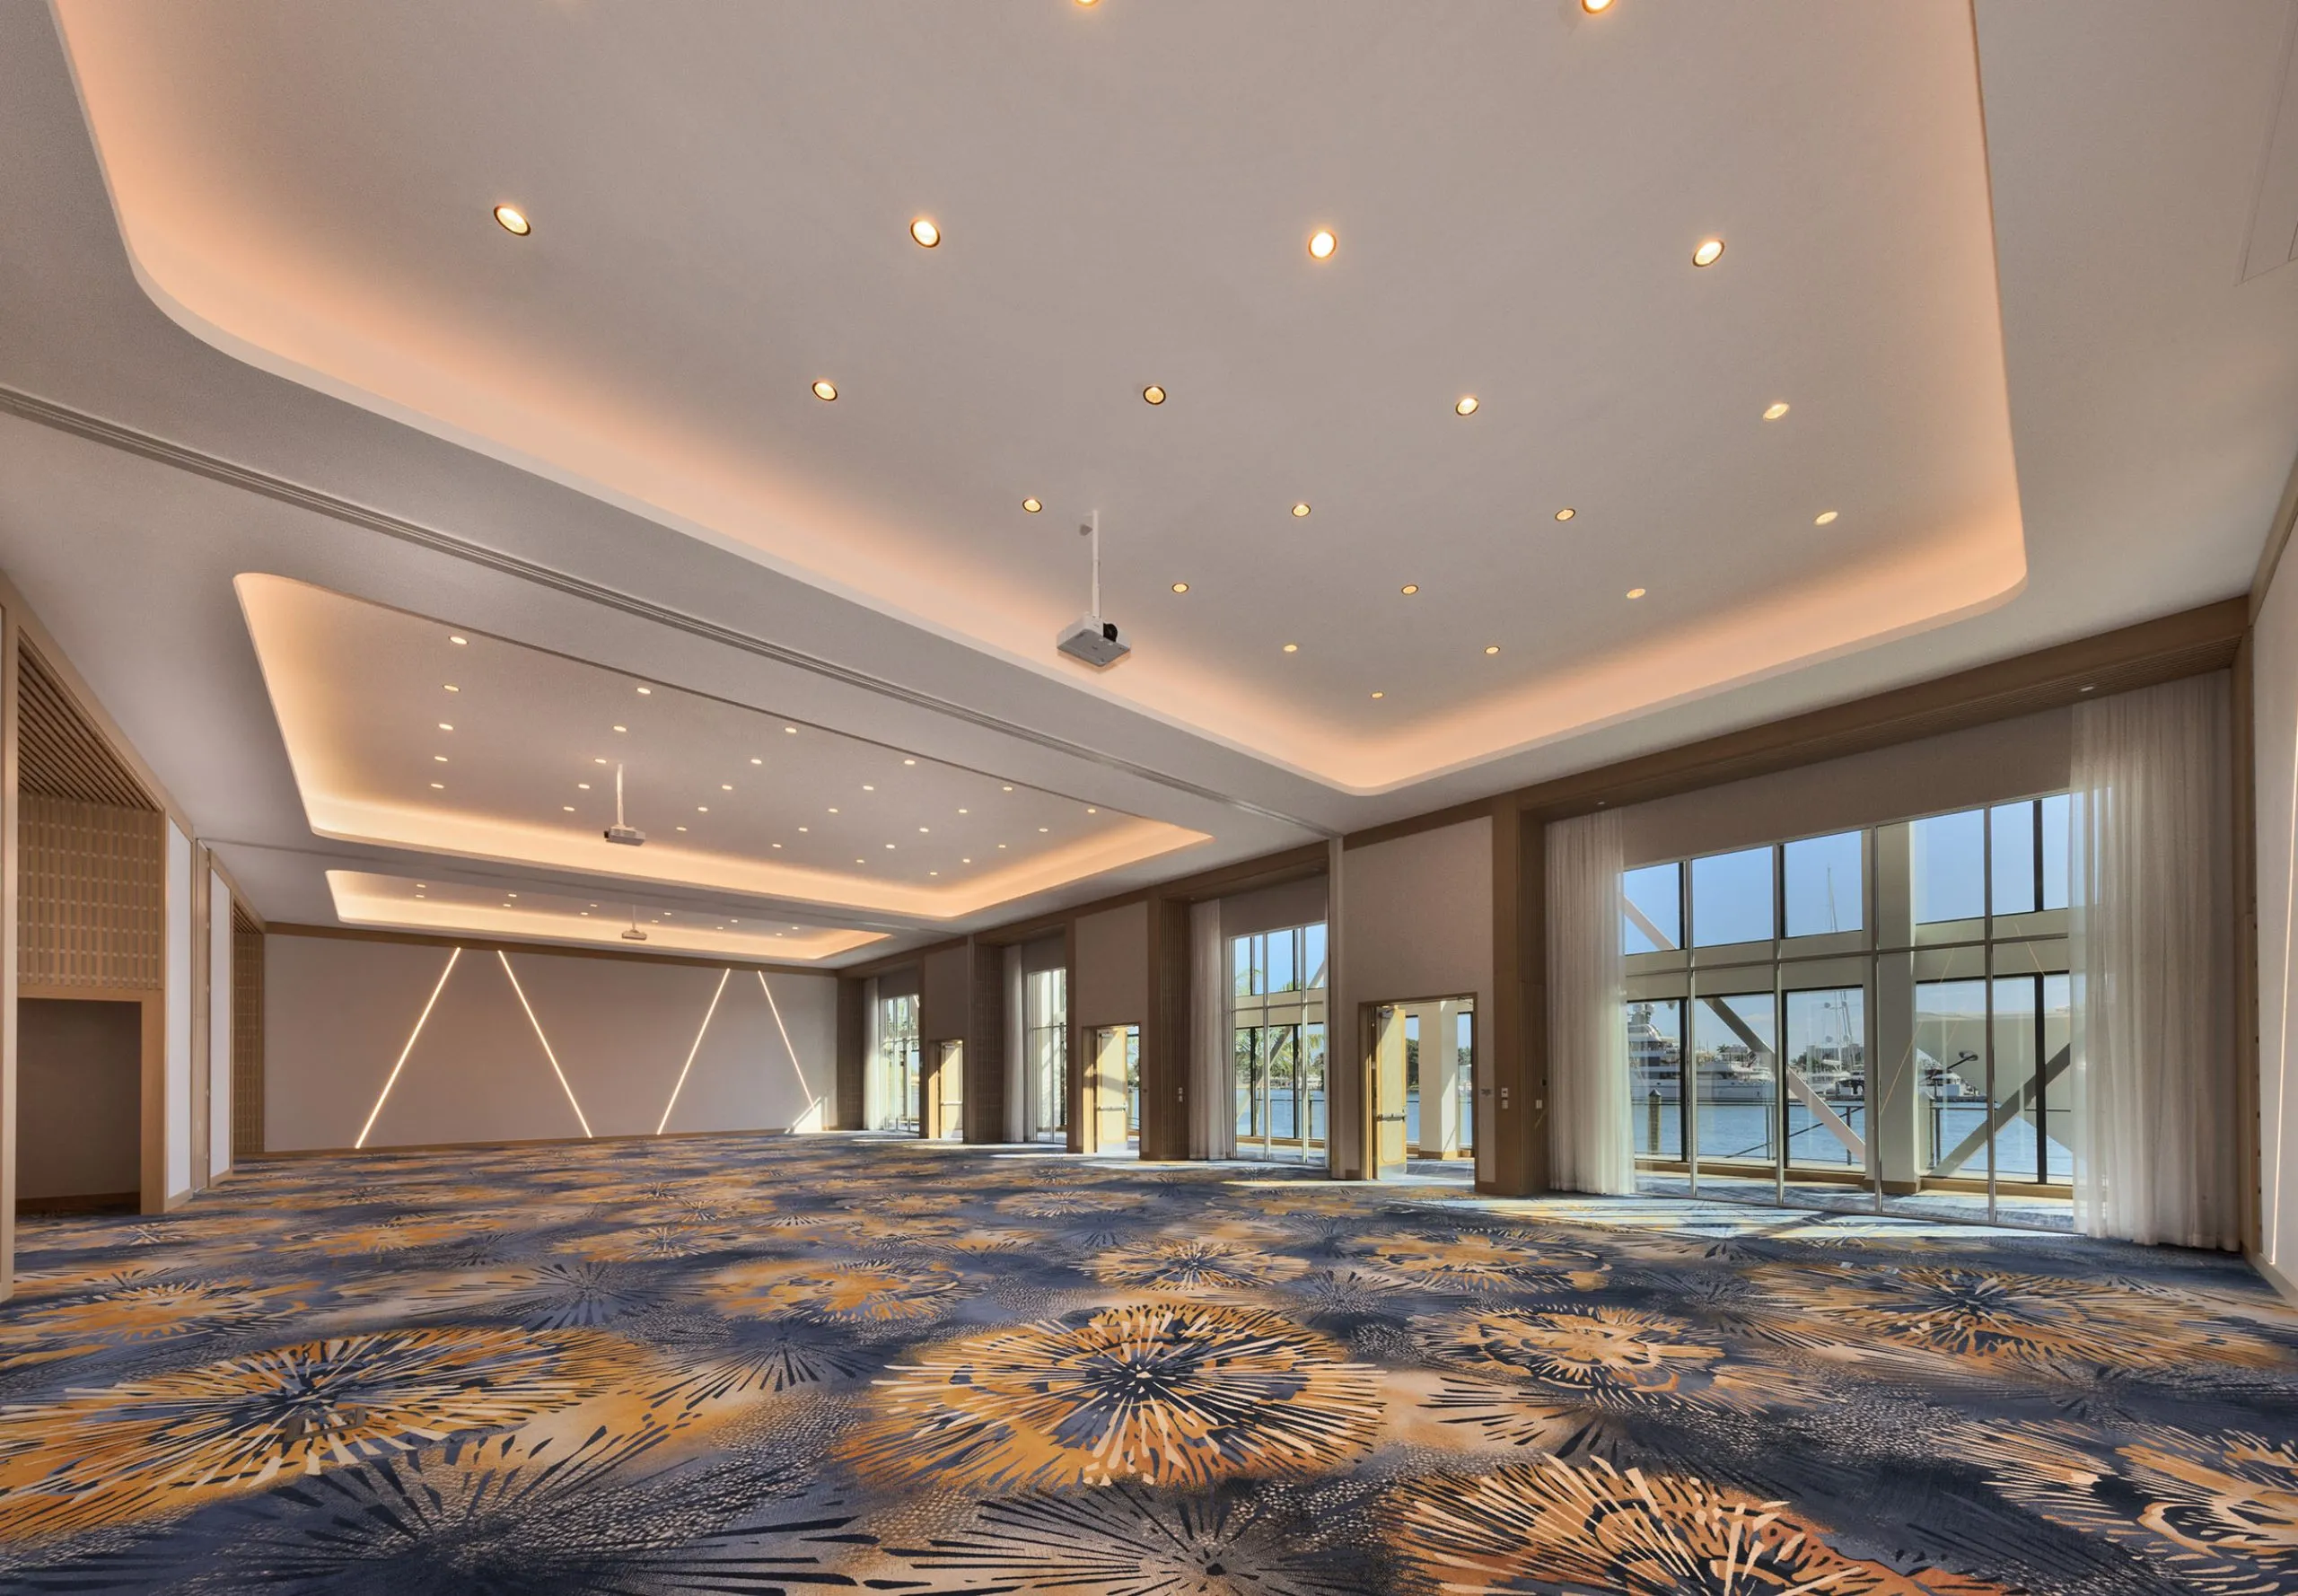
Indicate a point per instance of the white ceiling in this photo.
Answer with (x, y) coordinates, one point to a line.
(619, 401)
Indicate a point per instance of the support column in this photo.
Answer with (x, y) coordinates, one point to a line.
(1440, 1080)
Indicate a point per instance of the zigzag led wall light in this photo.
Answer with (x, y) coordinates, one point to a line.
(393, 1079)
(546, 1053)
(690, 1052)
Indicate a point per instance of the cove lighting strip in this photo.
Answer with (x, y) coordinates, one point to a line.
(545, 1041)
(690, 1052)
(393, 1079)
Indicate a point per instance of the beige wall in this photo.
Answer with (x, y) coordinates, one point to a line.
(1417, 923)
(339, 1012)
(945, 997)
(1988, 764)
(1111, 983)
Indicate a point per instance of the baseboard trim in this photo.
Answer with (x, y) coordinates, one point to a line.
(94, 1202)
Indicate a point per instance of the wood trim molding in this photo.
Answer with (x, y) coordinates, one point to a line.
(489, 945)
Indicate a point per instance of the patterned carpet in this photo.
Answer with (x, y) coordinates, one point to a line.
(762, 1365)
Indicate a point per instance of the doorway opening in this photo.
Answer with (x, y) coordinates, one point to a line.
(1044, 1059)
(1277, 1043)
(1113, 1090)
(944, 1095)
(79, 1106)
(1423, 1096)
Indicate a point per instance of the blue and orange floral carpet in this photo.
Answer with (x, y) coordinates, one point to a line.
(762, 1364)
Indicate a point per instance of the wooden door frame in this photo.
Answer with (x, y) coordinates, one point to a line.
(152, 1092)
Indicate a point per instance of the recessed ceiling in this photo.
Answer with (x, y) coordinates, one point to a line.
(408, 732)
(403, 903)
(1521, 190)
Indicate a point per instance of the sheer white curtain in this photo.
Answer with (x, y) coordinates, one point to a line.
(2156, 1151)
(1212, 1093)
(1591, 1138)
(1017, 1049)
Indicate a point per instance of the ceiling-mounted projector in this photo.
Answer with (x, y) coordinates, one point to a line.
(1093, 639)
(629, 836)
(634, 935)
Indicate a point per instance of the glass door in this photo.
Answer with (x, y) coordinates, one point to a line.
(1735, 1125)
(1045, 1080)
(1824, 1132)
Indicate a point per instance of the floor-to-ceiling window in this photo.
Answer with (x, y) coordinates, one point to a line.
(1871, 1020)
(899, 1064)
(1276, 1009)
(1044, 1005)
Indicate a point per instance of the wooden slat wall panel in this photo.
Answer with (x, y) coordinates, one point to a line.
(247, 1040)
(90, 894)
(59, 754)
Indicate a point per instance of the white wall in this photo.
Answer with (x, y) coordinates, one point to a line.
(339, 1013)
(219, 1026)
(2274, 663)
(1417, 914)
(177, 974)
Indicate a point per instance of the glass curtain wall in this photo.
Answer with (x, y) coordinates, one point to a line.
(1277, 1019)
(1045, 1012)
(897, 1063)
(1762, 983)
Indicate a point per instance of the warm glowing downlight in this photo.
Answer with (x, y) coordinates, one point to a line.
(1595, 8)
(825, 389)
(1491, 648)
(1322, 245)
(1408, 589)
(1824, 518)
(513, 221)
(1635, 592)
(1566, 514)
(1291, 648)
(1154, 394)
(1708, 251)
(1032, 505)
(1178, 587)
(1775, 412)
(924, 230)
(1467, 406)
(1299, 511)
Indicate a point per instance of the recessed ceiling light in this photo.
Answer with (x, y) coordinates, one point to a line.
(1491, 648)
(584, 786)
(1032, 505)
(441, 758)
(1154, 394)
(1635, 592)
(1408, 589)
(1044, 829)
(1823, 518)
(1566, 514)
(964, 861)
(510, 894)
(438, 786)
(1380, 695)
(825, 389)
(868, 788)
(1009, 786)
(860, 861)
(1001, 845)
(702, 809)
(1291, 648)
(601, 761)
(803, 828)
(933, 872)
(459, 642)
(923, 830)
(1467, 406)
(924, 230)
(910, 761)
(1773, 412)
(965, 811)
(758, 761)
(513, 221)
(622, 728)
(443, 726)
(642, 692)
(889, 845)
(1321, 243)
(833, 809)
(725, 786)
(777, 845)
(1300, 510)
(1091, 811)
(452, 688)
(681, 828)
(1178, 587)
(567, 807)
(1595, 8)
(2088, 687)
(1708, 253)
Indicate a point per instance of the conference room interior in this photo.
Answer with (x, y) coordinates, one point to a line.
(1644, 941)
